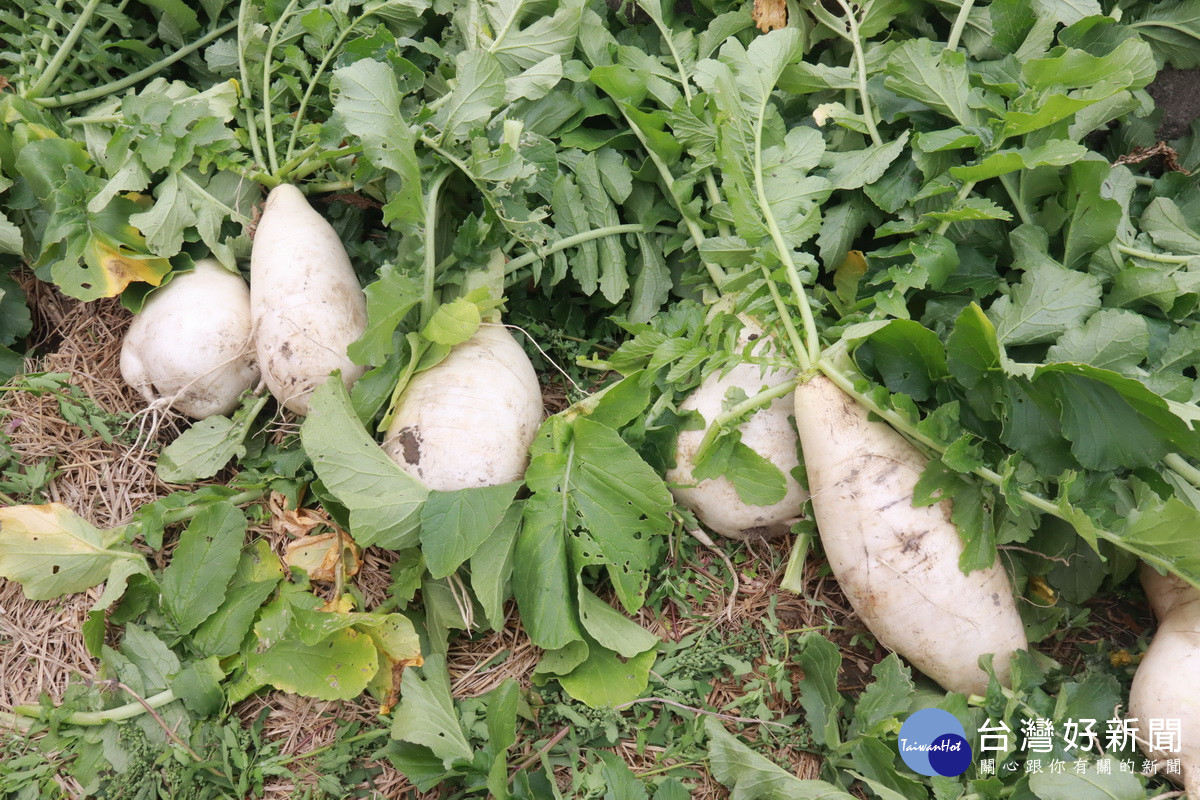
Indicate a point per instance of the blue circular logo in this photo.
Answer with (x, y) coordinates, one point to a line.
(933, 742)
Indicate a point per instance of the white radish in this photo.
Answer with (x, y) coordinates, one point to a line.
(306, 301)
(766, 431)
(897, 564)
(190, 345)
(1164, 687)
(470, 420)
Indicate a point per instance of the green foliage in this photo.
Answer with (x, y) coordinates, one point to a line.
(939, 222)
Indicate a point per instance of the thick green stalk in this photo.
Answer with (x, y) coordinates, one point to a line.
(22, 724)
(811, 353)
(103, 119)
(429, 273)
(94, 718)
(65, 50)
(1015, 195)
(328, 186)
(567, 242)
(268, 122)
(860, 62)
(111, 20)
(1162, 258)
(1184, 469)
(90, 95)
(182, 514)
(963, 192)
(40, 62)
(710, 183)
(507, 27)
(715, 273)
(803, 359)
(960, 24)
(311, 165)
(247, 96)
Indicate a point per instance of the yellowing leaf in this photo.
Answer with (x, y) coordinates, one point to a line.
(1041, 589)
(94, 255)
(399, 647)
(320, 558)
(51, 551)
(117, 266)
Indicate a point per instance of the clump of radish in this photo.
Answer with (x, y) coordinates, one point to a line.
(898, 564)
(305, 299)
(469, 421)
(191, 345)
(767, 431)
(1164, 686)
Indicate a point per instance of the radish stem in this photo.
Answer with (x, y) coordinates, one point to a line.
(268, 122)
(40, 62)
(568, 242)
(860, 62)
(430, 268)
(960, 24)
(247, 96)
(743, 408)
(66, 48)
(93, 718)
(89, 95)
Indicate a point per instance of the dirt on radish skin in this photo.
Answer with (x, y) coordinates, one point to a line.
(305, 299)
(191, 343)
(1164, 686)
(898, 565)
(470, 420)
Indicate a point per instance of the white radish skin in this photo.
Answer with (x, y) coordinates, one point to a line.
(898, 565)
(191, 343)
(470, 420)
(1164, 686)
(767, 431)
(305, 299)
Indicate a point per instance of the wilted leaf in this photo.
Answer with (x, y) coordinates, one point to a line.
(770, 14)
(320, 557)
(295, 522)
(399, 647)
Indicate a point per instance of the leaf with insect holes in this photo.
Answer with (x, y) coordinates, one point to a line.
(367, 100)
(337, 668)
(51, 551)
(426, 713)
(606, 494)
(206, 558)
